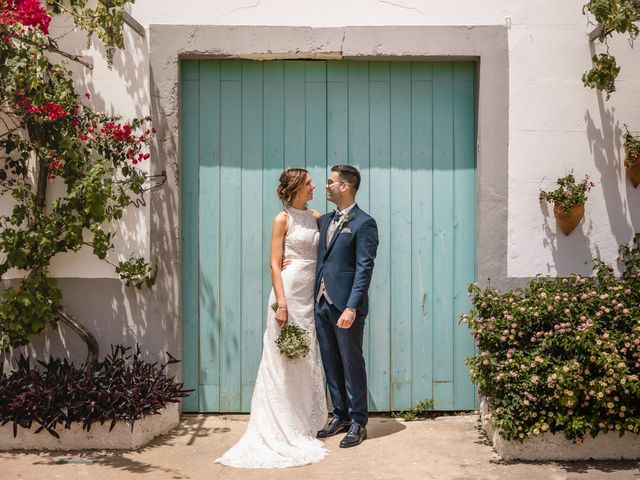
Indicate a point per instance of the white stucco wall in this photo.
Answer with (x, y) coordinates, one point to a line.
(555, 123)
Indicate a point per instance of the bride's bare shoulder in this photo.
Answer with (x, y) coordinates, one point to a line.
(281, 216)
(281, 221)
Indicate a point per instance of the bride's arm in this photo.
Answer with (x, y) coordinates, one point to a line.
(278, 232)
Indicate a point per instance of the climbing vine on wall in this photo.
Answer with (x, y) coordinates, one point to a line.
(611, 17)
(50, 133)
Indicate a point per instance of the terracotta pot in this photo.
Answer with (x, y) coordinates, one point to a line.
(567, 221)
(633, 170)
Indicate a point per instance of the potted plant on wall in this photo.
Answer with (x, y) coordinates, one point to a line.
(632, 160)
(568, 201)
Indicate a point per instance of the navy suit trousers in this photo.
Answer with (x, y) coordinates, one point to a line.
(343, 362)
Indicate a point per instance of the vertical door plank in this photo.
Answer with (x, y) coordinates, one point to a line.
(443, 235)
(316, 129)
(251, 213)
(273, 161)
(357, 123)
(464, 225)
(422, 337)
(359, 129)
(400, 246)
(190, 314)
(209, 235)
(338, 133)
(379, 325)
(231, 233)
(294, 114)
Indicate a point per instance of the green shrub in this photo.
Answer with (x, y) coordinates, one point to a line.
(563, 354)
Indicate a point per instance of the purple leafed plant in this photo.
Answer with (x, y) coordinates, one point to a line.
(120, 387)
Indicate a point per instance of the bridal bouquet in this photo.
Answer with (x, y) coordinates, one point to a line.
(293, 341)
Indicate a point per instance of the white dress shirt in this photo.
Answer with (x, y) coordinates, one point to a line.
(333, 226)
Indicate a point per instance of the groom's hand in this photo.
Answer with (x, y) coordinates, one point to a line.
(285, 263)
(347, 318)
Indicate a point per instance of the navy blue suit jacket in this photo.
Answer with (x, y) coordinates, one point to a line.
(347, 262)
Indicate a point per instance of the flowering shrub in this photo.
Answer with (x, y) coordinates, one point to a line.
(563, 354)
(569, 193)
(49, 132)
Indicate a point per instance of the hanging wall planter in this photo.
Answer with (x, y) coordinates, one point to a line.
(568, 220)
(632, 159)
(568, 201)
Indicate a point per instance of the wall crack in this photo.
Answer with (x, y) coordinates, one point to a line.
(245, 7)
(403, 6)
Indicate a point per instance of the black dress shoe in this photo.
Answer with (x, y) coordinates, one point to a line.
(334, 427)
(355, 436)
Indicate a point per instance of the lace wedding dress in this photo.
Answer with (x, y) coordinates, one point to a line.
(289, 404)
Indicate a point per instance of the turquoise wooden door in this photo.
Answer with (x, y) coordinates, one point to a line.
(410, 128)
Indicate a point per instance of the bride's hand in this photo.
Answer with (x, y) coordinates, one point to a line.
(282, 316)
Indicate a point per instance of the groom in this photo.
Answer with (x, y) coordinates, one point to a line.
(348, 245)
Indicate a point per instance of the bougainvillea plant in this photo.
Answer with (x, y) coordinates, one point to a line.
(50, 133)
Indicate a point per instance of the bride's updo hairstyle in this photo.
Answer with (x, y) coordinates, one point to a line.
(291, 180)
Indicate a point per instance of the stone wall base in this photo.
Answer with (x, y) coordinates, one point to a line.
(550, 446)
(98, 438)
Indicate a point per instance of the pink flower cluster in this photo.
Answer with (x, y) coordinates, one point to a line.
(29, 13)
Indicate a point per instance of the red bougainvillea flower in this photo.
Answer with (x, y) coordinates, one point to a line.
(29, 13)
(55, 168)
(53, 110)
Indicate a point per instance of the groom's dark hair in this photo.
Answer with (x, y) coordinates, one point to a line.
(349, 174)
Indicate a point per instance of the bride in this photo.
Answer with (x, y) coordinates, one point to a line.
(289, 404)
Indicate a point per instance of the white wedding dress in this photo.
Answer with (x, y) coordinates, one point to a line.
(289, 404)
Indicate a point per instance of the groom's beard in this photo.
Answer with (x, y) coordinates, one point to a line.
(330, 198)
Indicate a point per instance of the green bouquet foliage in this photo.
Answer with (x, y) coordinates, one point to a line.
(563, 354)
(293, 342)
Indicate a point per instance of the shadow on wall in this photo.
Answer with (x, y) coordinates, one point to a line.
(130, 69)
(165, 233)
(571, 254)
(115, 314)
(623, 209)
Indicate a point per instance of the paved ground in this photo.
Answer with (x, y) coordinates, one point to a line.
(445, 448)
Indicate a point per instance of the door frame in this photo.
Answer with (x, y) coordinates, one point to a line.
(169, 44)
